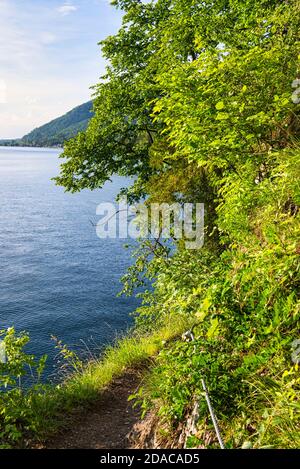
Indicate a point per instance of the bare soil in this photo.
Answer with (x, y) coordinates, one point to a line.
(108, 423)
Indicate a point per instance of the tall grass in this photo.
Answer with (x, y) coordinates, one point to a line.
(49, 406)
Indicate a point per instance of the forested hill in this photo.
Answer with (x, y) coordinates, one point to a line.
(56, 132)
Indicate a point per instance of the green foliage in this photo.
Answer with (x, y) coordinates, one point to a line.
(35, 411)
(197, 104)
(15, 414)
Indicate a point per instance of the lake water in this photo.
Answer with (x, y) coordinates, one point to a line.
(57, 277)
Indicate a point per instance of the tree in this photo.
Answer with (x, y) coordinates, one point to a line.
(197, 104)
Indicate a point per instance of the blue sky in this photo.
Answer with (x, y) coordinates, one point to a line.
(49, 58)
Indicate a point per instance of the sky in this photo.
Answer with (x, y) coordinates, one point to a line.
(49, 58)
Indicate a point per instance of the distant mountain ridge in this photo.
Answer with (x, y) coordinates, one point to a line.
(56, 132)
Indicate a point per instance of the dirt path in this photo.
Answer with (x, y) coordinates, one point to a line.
(107, 424)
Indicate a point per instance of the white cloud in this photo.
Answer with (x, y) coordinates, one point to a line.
(66, 9)
(48, 38)
(46, 65)
(34, 86)
(3, 92)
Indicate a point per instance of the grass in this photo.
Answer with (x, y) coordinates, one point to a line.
(255, 393)
(48, 407)
(274, 411)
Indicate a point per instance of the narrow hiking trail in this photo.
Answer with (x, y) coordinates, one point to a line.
(107, 424)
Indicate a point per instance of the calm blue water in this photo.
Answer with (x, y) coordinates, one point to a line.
(57, 277)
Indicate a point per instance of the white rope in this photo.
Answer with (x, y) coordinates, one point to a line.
(212, 414)
(189, 337)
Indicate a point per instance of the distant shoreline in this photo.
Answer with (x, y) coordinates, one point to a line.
(28, 148)
(20, 144)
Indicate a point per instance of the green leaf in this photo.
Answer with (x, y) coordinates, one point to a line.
(220, 105)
